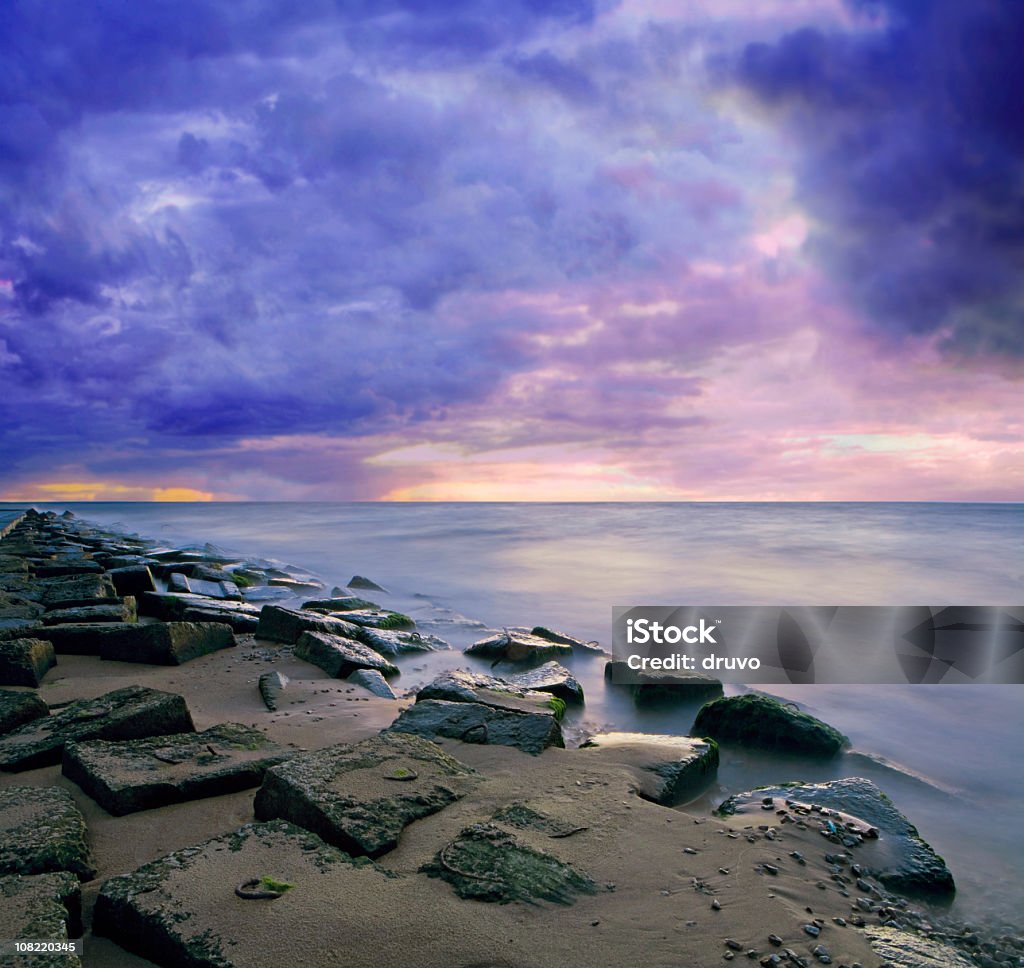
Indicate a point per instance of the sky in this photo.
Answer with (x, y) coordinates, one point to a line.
(512, 250)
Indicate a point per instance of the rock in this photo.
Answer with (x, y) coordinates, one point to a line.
(239, 622)
(553, 678)
(518, 647)
(139, 774)
(486, 863)
(135, 711)
(346, 603)
(671, 769)
(338, 656)
(366, 584)
(900, 859)
(360, 797)
(378, 618)
(42, 906)
(41, 830)
(174, 606)
(390, 642)
(280, 624)
(61, 569)
(295, 585)
(132, 580)
(76, 591)
(531, 732)
(760, 721)
(660, 688)
(272, 684)
(217, 590)
(561, 638)
(24, 662)
(118, 611)
(161, 643)
(901, 949)
(372, 680)
(18, 708)
(459, 685)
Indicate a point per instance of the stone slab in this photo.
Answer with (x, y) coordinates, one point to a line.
(41, 907)
(129, 713)
(41, 830)
(24, 662)
(470, 722)
(76, 591)
(279, 624)
(340, 657)
(139, 774)
(123, 611)
(360, 797)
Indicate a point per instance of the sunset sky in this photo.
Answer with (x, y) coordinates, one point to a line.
(512, 250)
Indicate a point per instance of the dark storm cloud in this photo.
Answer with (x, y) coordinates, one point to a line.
(913, 141)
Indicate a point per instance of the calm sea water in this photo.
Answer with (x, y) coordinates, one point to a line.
(951, 757)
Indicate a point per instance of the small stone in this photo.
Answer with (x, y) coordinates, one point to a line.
(716, 905)
(812, 929)
(775, 940)
(733, 944)
(770, 869)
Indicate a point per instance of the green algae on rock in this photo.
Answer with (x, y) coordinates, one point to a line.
(762, 722)
(41, 831)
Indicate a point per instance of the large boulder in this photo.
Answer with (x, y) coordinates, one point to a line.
(361, 797)
(77, 590)
(135, 711)
(670, 769)
(472, 722)
(41, 830)
(177, 607)
(765, 723)
(132, 579)
(159, 643)
(197, 907)
(129, 775)
(899, 858)
(41, 907)
(518, 647)
(552, 678)
(902, 949)
(279, 624)
(24, 662)
(486, 863)
(377, 618)
(340, 657)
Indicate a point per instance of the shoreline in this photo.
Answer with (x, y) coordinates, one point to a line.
(654, 914)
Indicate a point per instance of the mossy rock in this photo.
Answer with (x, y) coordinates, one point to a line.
(42, 831)
(485, 863)
(762, 722)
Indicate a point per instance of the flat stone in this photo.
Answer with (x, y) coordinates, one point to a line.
(24, 662)
(345, 603)
(901, 949)
(41, 830)
(123, 611)
(377, 618)
(899, 859)
(139, 774)
(460, 685)
(393, 642)
(238, 622)
(762, 722)
(159, 913)
(671, 769)
(172, 606)
(279, 624)
(18, 708)
(663, 688)
(75, 591)
(553, 678)
(135, 711)
(486, 863)
(132, 579)
(373, 681)
(160, 643)
(517, 647)
(74, 567)
(340, 657)
(531, 732)
(41, 907)
(360, 797)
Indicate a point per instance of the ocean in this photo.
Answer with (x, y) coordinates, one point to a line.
(951, 757)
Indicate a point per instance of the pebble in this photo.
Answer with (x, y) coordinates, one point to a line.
(733, 944)
(812, 929)
(770, 869)
(689, 850)
(716, 905)
(775, 940)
